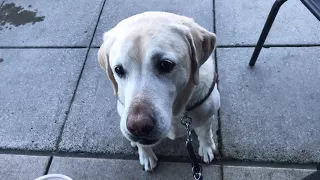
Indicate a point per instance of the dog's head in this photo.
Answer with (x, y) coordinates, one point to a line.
(153, 60)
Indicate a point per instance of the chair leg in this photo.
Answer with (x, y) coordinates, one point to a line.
(313, 176)
(272, 15)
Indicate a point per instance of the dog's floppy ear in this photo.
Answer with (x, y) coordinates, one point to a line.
(202, 43)
(103, 58)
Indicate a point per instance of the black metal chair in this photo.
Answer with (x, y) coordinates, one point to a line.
(314, 176)
(312, 5)
(314, 8)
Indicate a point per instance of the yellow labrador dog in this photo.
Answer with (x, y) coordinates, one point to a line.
(161, 68)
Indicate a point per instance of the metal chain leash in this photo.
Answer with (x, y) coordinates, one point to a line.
(196, 167)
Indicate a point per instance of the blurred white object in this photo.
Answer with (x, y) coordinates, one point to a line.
(54, 177)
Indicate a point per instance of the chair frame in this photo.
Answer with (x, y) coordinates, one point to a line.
(267, 26)
(312, 6)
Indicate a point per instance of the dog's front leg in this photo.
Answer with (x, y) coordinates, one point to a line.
(147, 157)
(206, 143)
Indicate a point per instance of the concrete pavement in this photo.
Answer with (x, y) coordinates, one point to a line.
(57, 109)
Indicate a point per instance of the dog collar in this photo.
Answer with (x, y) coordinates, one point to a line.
(198, 103)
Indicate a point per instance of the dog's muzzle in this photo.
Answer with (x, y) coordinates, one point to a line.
(141, 123)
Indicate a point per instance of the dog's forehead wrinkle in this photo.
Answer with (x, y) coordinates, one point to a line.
(119, 50)
(170, 46)
(132, 46)
(156, 54)
(150, 43)
(136, 49)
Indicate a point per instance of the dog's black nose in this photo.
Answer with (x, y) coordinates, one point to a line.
(140, 121)
(140, 126)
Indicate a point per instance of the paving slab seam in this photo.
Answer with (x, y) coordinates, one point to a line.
(80, 75)
(59, 139)
(161, 158)
(70, 103)
(2, 3)
(214, 30)
(48, 165)
(222, 163)
(214, 15)
(268, 164)
(219, 134)
(221, 172)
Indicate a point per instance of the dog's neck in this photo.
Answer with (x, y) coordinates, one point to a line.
(198, 92)
(206, 76)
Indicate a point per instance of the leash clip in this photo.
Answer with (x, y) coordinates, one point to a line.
(186, 121)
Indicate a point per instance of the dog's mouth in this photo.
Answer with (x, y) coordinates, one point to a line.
(144, 141)
(148, 141)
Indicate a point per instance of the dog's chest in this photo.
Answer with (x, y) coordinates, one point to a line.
(177, 130)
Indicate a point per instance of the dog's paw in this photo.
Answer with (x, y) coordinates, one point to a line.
(206, 151)
(147, 158)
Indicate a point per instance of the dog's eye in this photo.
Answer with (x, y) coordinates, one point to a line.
(119, 70)
(166, 66)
